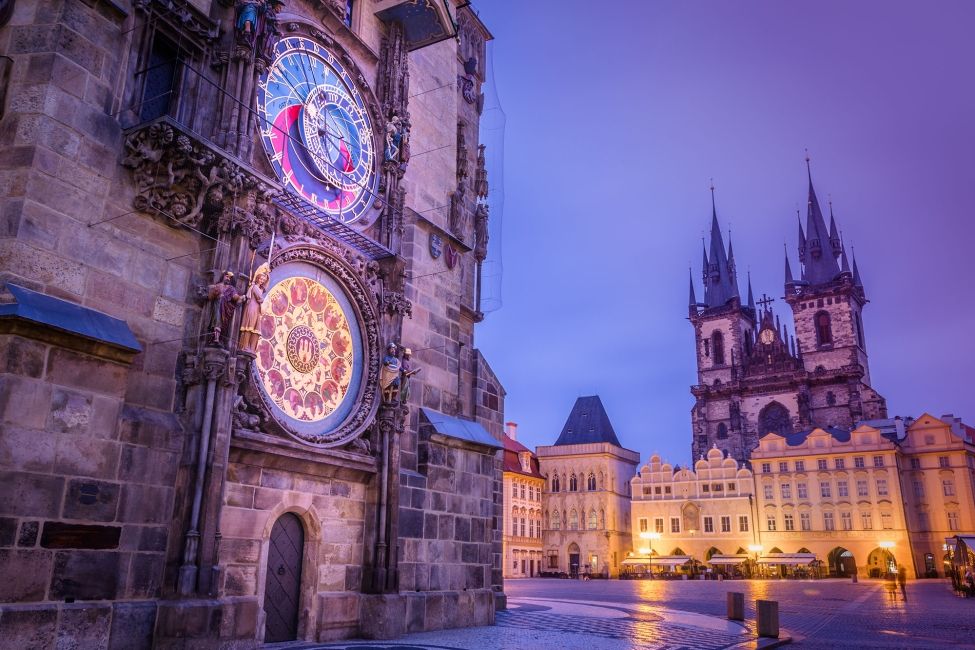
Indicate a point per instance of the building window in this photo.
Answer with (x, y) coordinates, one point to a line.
(161, 78)
(846, 520)
(531, 527)
(717, 345)
(943, 461)
(553, 561)
(866, 521)
(770, 522)
(742, 523)
(789, 520)
(804, 521)
(675, 524)
(800, 466)
(862, 490)
(821, 463)
(731, 486)
(591, 482)
(656, 489)
(878, 461)
(647, 490)
(766, 468)
(923, 523)
(705, 487)
(915, 463)
(666, 489)
(839, 463)
(593, 520)
(722, 431)
(825, 490)
(708, 524)
(717, 487)
(842, 489)
(948, 487)
(783, 466)
(522, 490)
(858, 461)
(514, 490)
(644, 524)
(573, 520)
(768, 492)
(824, 329)
(786, 490)
(918, 488)
(952, 521)
(523, 527)
(658, 525)
(515, 565)
(881, 487)
(573, 483)
(347, 18)
(556, 486)
(556, 520)
(886, 520)
(801, 491)
(828, 523)
(725, 523)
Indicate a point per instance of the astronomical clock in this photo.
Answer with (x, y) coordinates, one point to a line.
(316, 360)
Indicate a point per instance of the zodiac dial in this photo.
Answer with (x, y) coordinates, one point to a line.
(316, 129)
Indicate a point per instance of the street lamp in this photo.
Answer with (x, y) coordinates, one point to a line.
(649, 536)
(756, 549)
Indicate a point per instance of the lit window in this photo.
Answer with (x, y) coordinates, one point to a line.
(768, 492)
(770, 522)
(858, 461)
(801, 491)
(593, 520)
(643, 524)
(952, 521)
(948, 487)
(804, 521)
(725, 524)
(821, 463)
(675, 524)
(842, 489)
(886, 520)
(708, 525)
(825, 489)
(862, 490)
(846, 520)
(828, 523)
(790, 523)
(658, 525)
(800, 466)
(882, 487)
(866, 521)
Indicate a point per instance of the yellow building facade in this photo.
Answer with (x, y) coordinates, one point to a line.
(833, 496)
(681, 518)
(522, 528)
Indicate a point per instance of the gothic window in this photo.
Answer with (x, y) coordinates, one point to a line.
(593, 521)
(159, 78)
(555, 484)
(573, 520)
(556, 520)
(774, 418)
(722, 431)
(591, 482)
(602, 519)
(573, 483)
(717, 342)
(824, 328)
(859, 326)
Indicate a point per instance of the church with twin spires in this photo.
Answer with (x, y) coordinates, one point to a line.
(753, 375)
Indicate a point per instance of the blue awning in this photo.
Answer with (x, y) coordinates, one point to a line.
(69, 317)
(461, 429)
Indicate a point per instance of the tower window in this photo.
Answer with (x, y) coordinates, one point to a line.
(347, 18)
(160, 75)
(717, 342)
(859, 326)
(824, 328)
(722, 431)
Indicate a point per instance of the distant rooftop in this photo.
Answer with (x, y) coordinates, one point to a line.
(588, 423)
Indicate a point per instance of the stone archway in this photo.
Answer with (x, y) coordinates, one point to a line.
(574, 559)
(881, 563)
(841, 563)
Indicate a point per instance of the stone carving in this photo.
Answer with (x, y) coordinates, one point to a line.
(269, 32)
(480, 232)
(406, 371)
(467, 88)
(195, 25)
(225, 298)
(480, 175)
(397, 148)
(189, 182)
(462, 163)
(457, 213)
(249, 332)
(390, 376)
(395, 302)
(471, 44)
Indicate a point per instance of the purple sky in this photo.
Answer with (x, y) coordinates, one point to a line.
(617, 116)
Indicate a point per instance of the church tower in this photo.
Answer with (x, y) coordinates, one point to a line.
(827, 303)
(723, 334)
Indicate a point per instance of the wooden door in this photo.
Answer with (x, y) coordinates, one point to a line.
(283, 587)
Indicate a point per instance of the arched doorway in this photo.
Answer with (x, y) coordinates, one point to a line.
(881, 563)
(574, 560)
(841, 563)
(712, 552)
(282, 588)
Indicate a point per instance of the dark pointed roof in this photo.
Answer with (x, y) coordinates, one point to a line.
(720, 279)
(751, 296)
(693, 299)
(788, 269)
(819, 258)
(588, 423)
(857, 282)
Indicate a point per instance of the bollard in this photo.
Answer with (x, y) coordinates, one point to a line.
(736, 606)
(767, 615)
(854, 578)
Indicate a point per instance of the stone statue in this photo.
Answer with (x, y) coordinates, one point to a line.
(249, 323)
(480, 175)
(248, 14)
(268, 34)
(480, 232)
(406, 371)
(389, 375)
(394, 139)
(225, 297)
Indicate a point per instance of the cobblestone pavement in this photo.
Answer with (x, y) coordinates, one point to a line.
(665, 615)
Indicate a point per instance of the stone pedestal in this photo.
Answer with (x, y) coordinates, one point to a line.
(736, 606)
(767, 618)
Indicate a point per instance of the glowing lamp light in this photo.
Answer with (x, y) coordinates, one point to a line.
(755, 548)
(887, 545)
(647, 535)
(644, 550)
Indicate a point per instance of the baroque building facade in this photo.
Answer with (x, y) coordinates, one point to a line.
(753, 377)
(224, 224)
(523, 486)
(586, 521)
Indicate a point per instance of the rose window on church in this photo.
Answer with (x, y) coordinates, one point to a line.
(306, 354)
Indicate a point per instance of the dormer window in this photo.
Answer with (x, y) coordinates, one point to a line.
(526, 461)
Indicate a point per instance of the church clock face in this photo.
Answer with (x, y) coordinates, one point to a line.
(766, 336)
(309, 356)
(316, 130)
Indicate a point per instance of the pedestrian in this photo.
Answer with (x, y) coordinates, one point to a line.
(902, 581)
(970, 581)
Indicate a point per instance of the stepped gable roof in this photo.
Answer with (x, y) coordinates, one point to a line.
(588, 423)
(512, 458)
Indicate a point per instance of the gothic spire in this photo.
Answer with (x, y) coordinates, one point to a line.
(751, 297)
(834, 233)
(819, 265)
(802, 239)
(719, 285)
(844, 262)
(857, 282)
(692, 304)
(788, 269)
(732, 269)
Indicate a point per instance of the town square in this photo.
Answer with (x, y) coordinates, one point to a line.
(486, 324)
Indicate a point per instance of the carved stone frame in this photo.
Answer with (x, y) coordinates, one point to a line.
(367, 392)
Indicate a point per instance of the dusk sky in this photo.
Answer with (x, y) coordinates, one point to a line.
(619, 113)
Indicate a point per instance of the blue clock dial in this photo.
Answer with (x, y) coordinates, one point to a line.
(316, 130)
